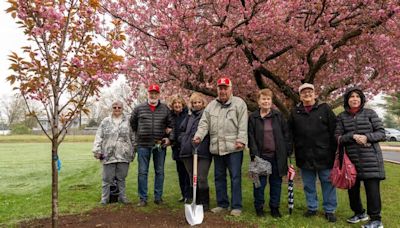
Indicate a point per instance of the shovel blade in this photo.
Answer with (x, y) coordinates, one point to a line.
(194, 214)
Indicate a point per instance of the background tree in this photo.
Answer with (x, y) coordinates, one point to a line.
(13, 108)
(391, 104)
(186, 45)
(63, 67)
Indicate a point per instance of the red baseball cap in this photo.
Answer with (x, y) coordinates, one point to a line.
(224, 82)
(154, 87)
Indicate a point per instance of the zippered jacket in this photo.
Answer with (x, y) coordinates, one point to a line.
(313, 136)
(367, 158)
(114, 141)
(148, 126)
(226, 124)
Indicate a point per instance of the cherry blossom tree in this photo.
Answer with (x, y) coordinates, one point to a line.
(64, 65)
(187, 45)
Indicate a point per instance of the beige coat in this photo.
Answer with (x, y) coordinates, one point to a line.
(226, 124)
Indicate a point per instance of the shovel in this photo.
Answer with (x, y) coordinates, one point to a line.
(194, 213)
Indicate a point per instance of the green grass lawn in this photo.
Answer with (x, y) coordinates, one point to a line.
(43, 138)
(25, 187)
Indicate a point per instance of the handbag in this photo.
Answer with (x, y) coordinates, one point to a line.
(343, 174)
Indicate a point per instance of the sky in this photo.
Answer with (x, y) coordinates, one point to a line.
(12, 39)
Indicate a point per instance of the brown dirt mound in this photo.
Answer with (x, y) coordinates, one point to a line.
(128, 216)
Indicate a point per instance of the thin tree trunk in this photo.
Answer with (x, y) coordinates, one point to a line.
(54, 184)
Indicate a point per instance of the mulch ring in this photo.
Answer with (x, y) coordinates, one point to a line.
(129, 216)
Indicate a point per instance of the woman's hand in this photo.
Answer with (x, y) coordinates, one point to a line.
(97, 155)
(360, 139)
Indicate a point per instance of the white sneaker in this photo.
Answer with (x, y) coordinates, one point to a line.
(217, 210)
(236, 212)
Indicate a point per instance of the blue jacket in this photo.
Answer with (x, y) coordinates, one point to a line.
(189, 128)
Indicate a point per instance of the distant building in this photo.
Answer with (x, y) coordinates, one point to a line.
(75, 124)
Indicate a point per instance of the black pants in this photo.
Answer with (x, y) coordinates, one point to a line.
(373, 193)
(184, 180)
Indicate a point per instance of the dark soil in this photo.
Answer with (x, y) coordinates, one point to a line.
(129, 216)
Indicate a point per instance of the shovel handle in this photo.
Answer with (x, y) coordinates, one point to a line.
(195, 159)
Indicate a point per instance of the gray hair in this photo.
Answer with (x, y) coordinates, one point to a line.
(118, 102)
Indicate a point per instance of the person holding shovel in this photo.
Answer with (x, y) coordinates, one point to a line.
(269, 139)
(188, 129)
(225, 120)
(113, 145)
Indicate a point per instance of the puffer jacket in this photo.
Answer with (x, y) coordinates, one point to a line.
(189, 128)
(114, 141)
(313, 136)
(367, 159)
(226, 124)
(149, 126)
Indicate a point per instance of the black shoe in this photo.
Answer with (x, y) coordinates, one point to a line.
(373, 224)
(142, 203)
(181, 200)
(124, 200)
(310, 213)
(260, 212)
(331, 217)
(275, 212)
(358, 218)
(158, 201)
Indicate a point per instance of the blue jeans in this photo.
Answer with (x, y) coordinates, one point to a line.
(144, 154)
(232, 162)
(328, 190)
(275, 187)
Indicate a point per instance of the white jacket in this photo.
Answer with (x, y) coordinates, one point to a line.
(114, 141)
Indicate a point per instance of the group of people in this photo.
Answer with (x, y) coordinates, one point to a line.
(222, 129)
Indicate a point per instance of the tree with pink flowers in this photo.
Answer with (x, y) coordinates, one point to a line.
(186, 45)
(62, 67)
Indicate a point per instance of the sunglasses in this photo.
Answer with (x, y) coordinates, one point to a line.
(117, 107)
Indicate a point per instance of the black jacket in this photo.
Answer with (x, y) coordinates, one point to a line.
(178, 119)
(313, 136)
(367, 159)
(281, 137)
(189, 128)
(150, 126)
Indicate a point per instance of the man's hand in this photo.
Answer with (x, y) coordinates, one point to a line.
(196, 140)
(97, 155)
(168, 130)
(239, 145)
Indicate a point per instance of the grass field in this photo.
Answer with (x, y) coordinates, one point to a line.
(25, 187)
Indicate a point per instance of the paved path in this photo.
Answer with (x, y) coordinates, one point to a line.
(391, 156)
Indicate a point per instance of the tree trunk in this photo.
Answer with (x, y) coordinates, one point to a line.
(54, 184)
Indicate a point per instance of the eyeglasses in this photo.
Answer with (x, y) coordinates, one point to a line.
(306, 92)
(117, 107)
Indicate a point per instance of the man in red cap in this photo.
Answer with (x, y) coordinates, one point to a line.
(149, 122)
(225, 119)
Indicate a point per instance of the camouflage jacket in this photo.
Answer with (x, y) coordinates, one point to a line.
(114, 142)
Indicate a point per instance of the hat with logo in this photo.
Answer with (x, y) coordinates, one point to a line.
(306, 86)
(224, 82)
(154, 87)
